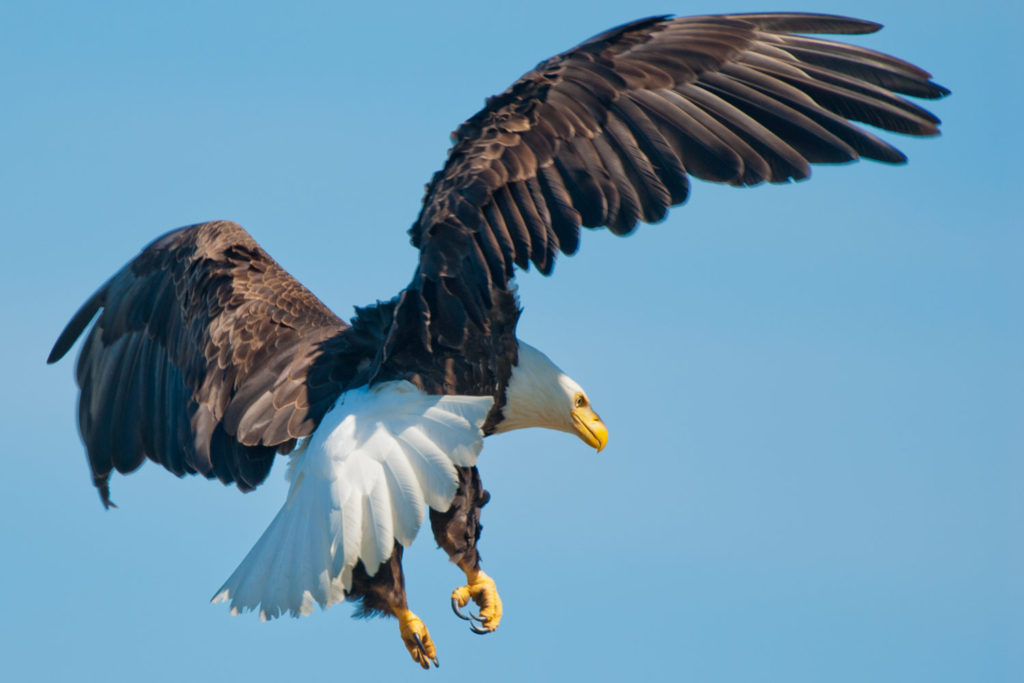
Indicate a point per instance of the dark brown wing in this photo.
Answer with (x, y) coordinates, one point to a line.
(206, 357)
(607, 133)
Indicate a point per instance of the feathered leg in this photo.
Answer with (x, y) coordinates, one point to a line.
(457, 530)
(384, 592)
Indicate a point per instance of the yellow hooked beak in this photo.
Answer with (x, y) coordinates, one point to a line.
(589, 427)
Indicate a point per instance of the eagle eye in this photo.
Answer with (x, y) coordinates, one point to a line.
(580, 400)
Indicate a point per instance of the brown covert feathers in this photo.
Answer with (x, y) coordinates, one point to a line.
(203, 359)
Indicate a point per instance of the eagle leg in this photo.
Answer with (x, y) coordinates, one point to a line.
(384, 593)
(457, 530)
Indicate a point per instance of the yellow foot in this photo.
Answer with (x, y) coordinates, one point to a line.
(416, 638)
(483, 592)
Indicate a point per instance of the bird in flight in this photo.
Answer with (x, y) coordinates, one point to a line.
(207, 357)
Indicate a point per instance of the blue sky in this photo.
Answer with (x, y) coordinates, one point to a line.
(815, 392)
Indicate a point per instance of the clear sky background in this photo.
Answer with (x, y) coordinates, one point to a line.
(815, 392)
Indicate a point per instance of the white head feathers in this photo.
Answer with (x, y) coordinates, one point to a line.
(539, 394)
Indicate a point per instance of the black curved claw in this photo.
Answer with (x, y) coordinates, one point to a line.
(458, 612)
(482, 631)
(423, 650)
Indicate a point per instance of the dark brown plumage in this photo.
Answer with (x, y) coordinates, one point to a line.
(207, 357)
(200, 360)
(607, 133)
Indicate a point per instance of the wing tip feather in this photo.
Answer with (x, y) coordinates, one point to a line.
(76, 326)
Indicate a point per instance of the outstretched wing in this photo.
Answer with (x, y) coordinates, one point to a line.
(204, 358)
(607, 134)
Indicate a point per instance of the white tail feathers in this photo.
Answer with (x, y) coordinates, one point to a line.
(375, 462)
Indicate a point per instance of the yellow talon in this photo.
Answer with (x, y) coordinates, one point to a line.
(481, 589)
(416, 638)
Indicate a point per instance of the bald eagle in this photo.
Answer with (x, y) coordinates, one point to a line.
(207, 357)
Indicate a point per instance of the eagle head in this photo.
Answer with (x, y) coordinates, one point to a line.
(539, 394)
